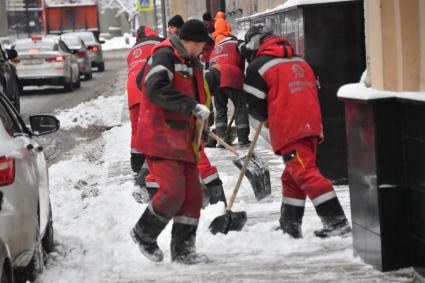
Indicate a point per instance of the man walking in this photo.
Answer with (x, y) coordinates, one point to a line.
(282, 89)
(173, 99)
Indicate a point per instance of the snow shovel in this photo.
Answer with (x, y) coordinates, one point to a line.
(257, 172)
(234, 221)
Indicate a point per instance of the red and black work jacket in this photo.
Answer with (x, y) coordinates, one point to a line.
(172, 85)
(135, 61)
(232, 64)
(282, 88)
(209, 46)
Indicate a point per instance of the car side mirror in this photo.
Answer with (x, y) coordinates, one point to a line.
(11, 54)
(44, 124)
(102, 41)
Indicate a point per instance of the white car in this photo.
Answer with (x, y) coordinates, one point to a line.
(26, 225)
(46, 61)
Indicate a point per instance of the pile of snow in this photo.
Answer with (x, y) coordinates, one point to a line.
(119, 42)
(359, 91)
(93, 212)
(103, 111)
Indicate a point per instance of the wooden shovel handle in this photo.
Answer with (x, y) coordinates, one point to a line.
(244, 167)
(223, 143)
(200, 130)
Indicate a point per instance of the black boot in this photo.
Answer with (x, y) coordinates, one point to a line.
(183, 250)
(215, 191)
(333, 218)
(146, 232)
(141, 176)
(141, 192)
(136, 161)
(291, 217)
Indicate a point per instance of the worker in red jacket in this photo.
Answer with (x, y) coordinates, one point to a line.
(146, 39)
(212, 184)
(209, 46)
(282, 89)
(231, 64)
(173, 100)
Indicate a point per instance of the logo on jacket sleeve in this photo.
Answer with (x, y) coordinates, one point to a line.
(137, 53)
(298, 71)
(218, 49)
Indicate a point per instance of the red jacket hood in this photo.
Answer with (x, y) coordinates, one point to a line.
(277, 47)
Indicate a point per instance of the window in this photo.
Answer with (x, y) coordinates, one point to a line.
(64, 47)
(10, 124)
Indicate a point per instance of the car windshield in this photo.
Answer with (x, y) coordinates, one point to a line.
(87, 37)
(39, 45)
(71, 41)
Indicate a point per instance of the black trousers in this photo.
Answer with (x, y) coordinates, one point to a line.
(237, 97)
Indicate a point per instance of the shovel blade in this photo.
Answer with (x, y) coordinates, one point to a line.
(231, 221)
(238, 220)
(258, 175)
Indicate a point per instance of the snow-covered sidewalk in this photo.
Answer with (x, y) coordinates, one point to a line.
(93, 212)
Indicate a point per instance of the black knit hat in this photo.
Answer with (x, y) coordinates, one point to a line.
(194, 30)
(176, 21)
(261, 29)
(207, 17)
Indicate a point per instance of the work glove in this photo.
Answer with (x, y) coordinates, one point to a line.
(201, 112)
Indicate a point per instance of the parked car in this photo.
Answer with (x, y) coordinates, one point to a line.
(6, 271)
(95, 48)
(26, 225)
(76, 44)
(8, 78)
(46, 61)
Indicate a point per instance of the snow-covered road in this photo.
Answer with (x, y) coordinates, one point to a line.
(93, 211)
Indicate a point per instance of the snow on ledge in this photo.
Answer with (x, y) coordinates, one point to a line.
(291, 4)
(359, 91)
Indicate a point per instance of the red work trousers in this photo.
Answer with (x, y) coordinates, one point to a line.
(301, 177)
(134, 118)
(207, 171)
(180, 192)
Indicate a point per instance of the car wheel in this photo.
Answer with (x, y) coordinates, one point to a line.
(5, 276)
(101, 67)
(36, 265)
(78, 82)
(48, 237)
(88, 76)
(69, 85)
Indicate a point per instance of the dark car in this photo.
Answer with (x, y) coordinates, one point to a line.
(8, 78)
